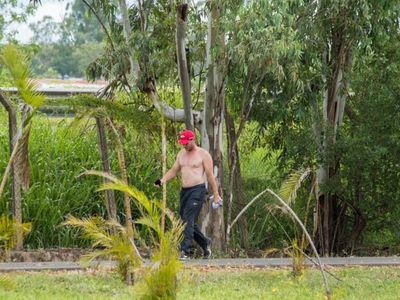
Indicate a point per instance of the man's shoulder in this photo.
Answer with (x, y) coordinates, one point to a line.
(204, 152)
(180, 153)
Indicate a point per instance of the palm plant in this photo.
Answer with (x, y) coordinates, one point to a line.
(8, 229)
(288, 192)
(18, 67)
(113, 241)
(107, 114)
(18, 165)
(287, 195)
(160, 278)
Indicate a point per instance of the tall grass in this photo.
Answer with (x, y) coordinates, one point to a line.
(57, 156)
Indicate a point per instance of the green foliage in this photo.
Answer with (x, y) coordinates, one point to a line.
(260, 168)
(57, 156)
(86, 106)
(370, 142)
(111, 240)
(289, 188)
(297, 254)
(58, 153)
(161, 277)
(280, 44)
(288, 194)
(13, 12)
(17, 65)
(8, 230)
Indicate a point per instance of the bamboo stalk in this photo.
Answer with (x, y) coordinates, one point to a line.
(164, 170)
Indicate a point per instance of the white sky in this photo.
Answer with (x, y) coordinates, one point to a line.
(53, 8)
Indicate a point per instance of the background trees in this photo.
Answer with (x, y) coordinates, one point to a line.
(270, 86)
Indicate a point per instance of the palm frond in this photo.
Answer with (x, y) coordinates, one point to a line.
(95, 229)
(291, 185)
(160, 280)
(87, 259)
(18, 66)
(91, 106)
(112, 238)
(9, 227)
(149, 222)
(119, 185)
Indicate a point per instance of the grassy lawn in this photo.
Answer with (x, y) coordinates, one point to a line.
(357, 283)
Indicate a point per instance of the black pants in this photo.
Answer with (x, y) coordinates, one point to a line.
(191, 201)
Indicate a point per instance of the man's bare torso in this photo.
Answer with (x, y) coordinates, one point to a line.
(191, 167)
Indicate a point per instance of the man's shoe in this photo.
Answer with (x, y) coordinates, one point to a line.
(184, 256)
(207, 250)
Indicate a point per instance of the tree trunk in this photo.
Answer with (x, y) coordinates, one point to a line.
(181, 19)
(328, 208)
(124, 178)
(235, 184)
(105, 163)
(212, 131)
(15, 182)
(134, 66)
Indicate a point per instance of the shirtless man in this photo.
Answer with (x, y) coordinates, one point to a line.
(193, 163)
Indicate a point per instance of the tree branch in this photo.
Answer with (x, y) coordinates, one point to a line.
(101, 23)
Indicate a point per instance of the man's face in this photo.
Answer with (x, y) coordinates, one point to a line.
(189, 146)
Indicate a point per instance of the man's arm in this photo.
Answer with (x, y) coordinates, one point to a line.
(172, 172)
(208, 168)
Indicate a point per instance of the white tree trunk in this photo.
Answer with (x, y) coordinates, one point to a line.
(212, 125)
(127, 33)
(183, 71)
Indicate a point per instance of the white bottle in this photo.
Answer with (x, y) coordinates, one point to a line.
(216, 204)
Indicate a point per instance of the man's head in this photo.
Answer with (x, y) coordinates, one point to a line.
(187, 139)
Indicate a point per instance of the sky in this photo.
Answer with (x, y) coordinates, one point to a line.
(53, 8)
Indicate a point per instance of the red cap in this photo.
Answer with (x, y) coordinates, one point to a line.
(186, 136)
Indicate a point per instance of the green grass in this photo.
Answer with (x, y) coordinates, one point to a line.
(57, 155)
(357, 283)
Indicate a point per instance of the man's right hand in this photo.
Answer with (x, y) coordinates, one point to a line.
(157, 182)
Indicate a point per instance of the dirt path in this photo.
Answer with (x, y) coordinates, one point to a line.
(227, 262)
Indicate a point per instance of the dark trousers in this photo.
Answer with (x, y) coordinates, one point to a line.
(191, 201)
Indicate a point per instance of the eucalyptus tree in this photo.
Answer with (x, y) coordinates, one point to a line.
(142, 57)
(369, 145)
(305, 115)
(262, 44)
(149, 58)
(333, 32)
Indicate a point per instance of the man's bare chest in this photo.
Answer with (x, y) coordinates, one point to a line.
(191, 161)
